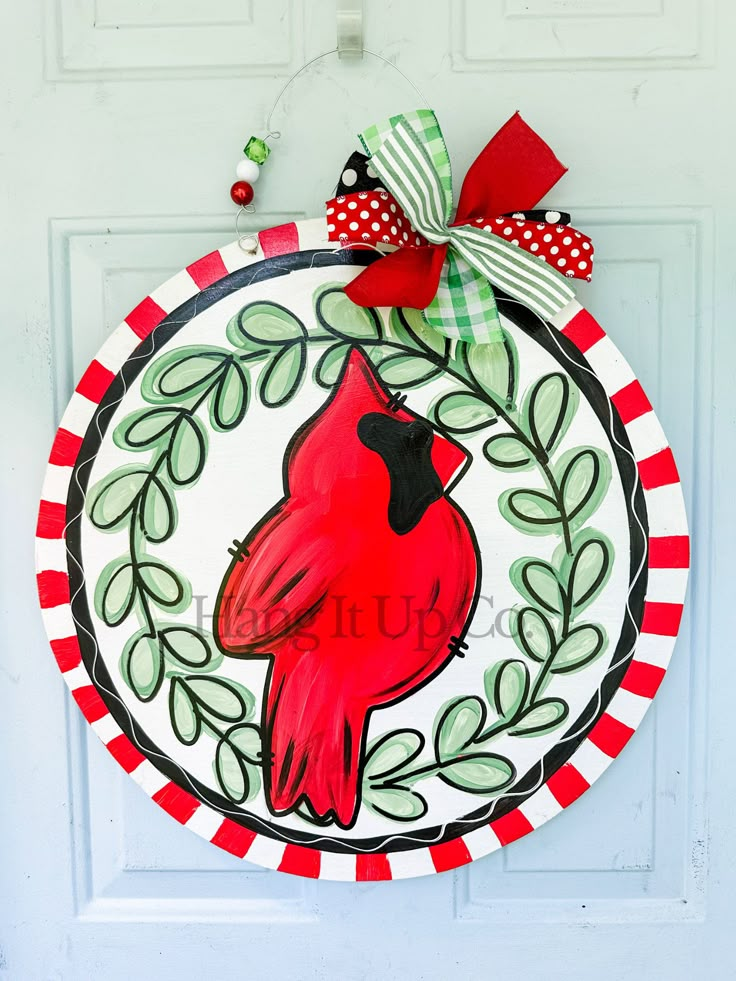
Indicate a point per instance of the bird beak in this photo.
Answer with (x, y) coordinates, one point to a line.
(449, 459)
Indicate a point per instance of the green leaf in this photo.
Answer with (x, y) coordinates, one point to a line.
(327, 370)
(589, 568)
(246, 739)
(479, 773)
(507, 686)
(410, 328)
(457, 725)
(158, 513)
(282, 376)
(229, 401)
(231, 772)
(266, 324)
(188, 648)
(396, 803)
(115, 592)
(142, 665)
(183, 372)
(166, 588)
(185, 721)
(549, 408)
(544, 716)
(188, 451)
(582, 645)
(462, 412)
(508, 452)
(341, 317)
(226, 700)
(538, 583)
(531, 511)
(112, 499)
(235, 772)
(583, 475)
(144, 428)
(378, 352)
(495, 367)
(392, 751)
(407, 371)
(533, 634)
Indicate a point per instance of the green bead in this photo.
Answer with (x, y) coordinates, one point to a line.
(256, 150)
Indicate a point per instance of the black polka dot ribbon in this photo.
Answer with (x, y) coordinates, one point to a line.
(357, 175)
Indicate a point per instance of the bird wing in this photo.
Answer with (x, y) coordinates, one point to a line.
(277, 581)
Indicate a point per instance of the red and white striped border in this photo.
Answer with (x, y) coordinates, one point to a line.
(668, 565)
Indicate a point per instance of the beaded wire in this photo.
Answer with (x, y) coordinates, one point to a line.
(248, 242)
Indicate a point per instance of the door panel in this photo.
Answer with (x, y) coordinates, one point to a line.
(122, 123)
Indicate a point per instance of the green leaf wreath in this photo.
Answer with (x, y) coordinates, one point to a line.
(197, 390)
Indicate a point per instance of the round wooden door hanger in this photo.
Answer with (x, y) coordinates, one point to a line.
(346, 597)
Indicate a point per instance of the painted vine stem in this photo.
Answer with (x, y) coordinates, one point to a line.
(142, 498)
(406, 354)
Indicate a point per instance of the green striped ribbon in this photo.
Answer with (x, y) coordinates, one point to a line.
(409, 155)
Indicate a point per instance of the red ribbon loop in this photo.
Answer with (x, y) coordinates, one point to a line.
(513, 172)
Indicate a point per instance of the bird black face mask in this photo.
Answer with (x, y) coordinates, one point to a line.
(405, 448)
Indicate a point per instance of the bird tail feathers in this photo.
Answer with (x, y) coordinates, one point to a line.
(314, 744)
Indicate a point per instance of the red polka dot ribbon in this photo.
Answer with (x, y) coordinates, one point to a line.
(374, 218)
(564, 248)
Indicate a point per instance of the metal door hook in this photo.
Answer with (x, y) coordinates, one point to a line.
(350, 28)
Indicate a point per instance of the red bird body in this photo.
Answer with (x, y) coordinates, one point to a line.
(357, 585)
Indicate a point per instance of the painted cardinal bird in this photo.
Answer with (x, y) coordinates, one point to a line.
(358, 585)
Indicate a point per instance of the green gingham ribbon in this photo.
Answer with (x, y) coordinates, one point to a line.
(409, 154)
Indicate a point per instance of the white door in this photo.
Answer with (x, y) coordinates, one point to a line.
(121, 124)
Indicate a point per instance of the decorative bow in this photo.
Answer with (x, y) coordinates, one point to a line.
(448, 268)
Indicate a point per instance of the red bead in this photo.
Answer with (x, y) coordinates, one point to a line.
(242, 193)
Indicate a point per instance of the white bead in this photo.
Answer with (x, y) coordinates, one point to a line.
(248, 170)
